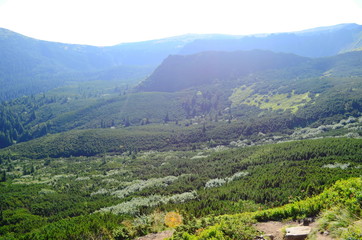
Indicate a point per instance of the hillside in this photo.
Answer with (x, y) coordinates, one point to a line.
(179, 72)
(206, 68)
(85, 58)
(243, 94)
(29, 66)
(339, 218)
(59, 196)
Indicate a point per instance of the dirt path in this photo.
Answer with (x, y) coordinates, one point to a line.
(274, 228)
(157, 236)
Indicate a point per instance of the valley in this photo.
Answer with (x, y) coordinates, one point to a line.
(198, 136)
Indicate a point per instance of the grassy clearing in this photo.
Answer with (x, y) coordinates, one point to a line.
(286, 101)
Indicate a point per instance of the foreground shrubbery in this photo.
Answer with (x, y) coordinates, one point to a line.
(344, 193)
(38, 193)
(339, 206)
(343, 198)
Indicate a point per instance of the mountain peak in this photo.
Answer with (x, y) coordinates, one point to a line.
(6, 33)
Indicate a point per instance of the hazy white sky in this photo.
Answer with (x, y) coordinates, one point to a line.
(109, 22)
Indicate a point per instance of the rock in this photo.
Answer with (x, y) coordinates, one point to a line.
(259, 238)
(265, 237)
(306, 221)
(297, 233)
(269, 236)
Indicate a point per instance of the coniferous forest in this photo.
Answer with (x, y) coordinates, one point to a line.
(199, 136)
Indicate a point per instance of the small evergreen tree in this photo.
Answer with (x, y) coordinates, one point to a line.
(3, 176)
(166, 118)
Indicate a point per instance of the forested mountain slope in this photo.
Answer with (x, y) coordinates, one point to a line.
(179, 72)
(29, 66)
(253, 91)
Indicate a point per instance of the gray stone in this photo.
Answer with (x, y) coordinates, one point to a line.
(269, 236)
(264, 237)
(297, 233)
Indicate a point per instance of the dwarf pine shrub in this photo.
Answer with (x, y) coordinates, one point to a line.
(218, 182)
(132, 207)
(139, 185)
(337, 165)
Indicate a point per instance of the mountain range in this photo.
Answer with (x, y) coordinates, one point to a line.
(181, 87)
(30, 66)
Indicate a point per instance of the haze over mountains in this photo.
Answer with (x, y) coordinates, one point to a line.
(30, 66)
(319, 42)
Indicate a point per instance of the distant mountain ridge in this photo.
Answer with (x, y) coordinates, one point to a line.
(30, 66)
(319, 42)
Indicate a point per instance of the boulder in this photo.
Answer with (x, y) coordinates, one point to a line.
(297, 233)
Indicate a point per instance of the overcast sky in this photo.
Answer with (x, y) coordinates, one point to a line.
(109, 22)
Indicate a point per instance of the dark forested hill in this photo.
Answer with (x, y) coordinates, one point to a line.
(179, 72)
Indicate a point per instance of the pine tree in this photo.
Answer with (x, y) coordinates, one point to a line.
(126, 122)
(166, 118)
(3, 176)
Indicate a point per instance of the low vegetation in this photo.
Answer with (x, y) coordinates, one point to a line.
(339, 209)
(135, 189)
(260, 136)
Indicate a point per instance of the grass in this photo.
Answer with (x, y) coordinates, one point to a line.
(240, 95)
(286, 101)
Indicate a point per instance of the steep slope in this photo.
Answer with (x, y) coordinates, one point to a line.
(180, 72)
